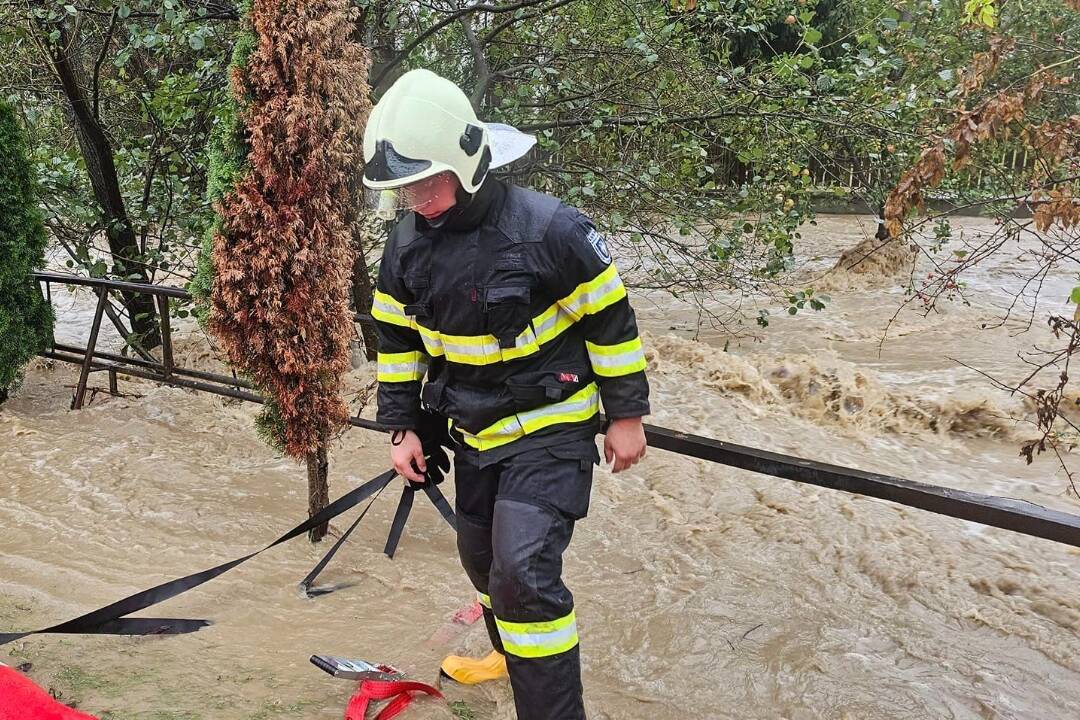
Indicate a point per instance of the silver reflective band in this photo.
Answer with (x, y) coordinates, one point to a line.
(559, 409)
(616, 360)
(538, 640)
(593, 300)
(405, 367)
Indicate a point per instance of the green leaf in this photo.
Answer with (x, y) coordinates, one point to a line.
(812, 36)
(1074, 298)
(197, 42)
(124, 12)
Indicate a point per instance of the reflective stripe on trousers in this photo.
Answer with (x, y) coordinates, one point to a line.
(539, 639)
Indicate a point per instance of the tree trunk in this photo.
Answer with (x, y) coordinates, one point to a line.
(318, 471)
(98, 155)
(382, 43)
(882, 233)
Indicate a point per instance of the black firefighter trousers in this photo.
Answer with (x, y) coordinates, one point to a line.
(515, 518)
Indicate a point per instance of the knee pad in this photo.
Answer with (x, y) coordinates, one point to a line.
(526, 569)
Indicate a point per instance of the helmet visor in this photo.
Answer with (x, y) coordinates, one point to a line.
(388, 165)
(414, 197)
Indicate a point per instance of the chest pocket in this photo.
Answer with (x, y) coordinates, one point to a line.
(506, 311)
(422, 308)
(508, 295)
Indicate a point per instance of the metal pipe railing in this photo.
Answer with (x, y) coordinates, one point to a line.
(1016, 515)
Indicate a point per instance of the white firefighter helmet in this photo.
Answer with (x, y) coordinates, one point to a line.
(424, 125)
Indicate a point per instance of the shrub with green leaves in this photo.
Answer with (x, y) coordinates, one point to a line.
(26, 319)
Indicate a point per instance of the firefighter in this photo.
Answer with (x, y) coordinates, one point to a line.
(499, 311)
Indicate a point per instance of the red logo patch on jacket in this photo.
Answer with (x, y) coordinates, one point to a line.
(568, 377)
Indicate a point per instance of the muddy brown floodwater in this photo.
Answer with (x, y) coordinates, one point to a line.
(702, 591)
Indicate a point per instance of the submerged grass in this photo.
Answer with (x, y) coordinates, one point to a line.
(462, 711)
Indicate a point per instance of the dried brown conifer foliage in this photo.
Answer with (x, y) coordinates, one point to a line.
(1054, 144)
(283, 260)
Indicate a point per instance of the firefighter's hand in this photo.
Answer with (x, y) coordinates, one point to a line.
(407, 452)
(624, 443)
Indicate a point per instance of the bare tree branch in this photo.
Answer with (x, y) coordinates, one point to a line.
(483, 71)
(101, 61)
(448, 20)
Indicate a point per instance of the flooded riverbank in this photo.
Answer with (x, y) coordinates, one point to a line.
(702, 591)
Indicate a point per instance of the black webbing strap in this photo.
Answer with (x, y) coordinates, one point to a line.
(393, 538)
(1007, 513)
(404, 507)
(110, 620)
(401, 516)
(439, 501)
(305, 584)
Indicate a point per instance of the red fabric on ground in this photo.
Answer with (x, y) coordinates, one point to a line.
(399, 692)
(20, 699)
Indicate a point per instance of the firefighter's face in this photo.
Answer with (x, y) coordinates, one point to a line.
(435, 195)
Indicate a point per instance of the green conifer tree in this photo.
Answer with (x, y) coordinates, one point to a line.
(26, 319)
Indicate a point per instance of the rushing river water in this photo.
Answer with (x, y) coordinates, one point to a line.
(702, 591)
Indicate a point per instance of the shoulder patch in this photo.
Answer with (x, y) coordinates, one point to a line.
(599, 245)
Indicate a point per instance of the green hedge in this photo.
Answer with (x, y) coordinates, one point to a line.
(227, 160)
(26, 319)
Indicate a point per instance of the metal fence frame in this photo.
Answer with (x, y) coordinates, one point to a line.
(1002, 512)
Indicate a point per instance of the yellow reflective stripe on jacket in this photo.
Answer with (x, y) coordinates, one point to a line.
(594, 295)
(580, 406)
(433, 342)
(539, 639)
(388, 310)
(402, 367)
(485, 350)
(484, 600)
(385, 308)
(551, 323)
(587, 298)
(615, 360)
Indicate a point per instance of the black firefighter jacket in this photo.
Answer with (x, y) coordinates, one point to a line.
(518, 319)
